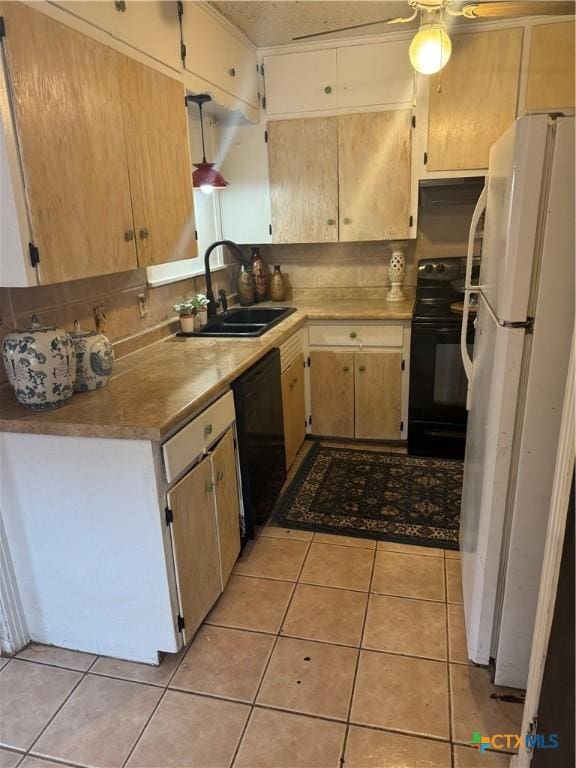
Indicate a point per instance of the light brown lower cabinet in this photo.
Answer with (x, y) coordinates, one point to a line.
(356, 394)
(227, 504)
(294, 408)
(205, 527)
(378, 395)
(195, 545)
(332, 393)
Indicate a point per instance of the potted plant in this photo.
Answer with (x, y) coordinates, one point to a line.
(202, 308)
(187, 312)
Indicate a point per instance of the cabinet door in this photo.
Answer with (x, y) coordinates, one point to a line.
(303, 164)
(374, 158)
(68, 114)
(227, 504)
(379, 73)
(150, 27)
(551, 67)
(156, 132)
(195, 545)
(300, 82)
(216, 54)
(473, 99)
(332, 393)
(294, 409)
(378, 395)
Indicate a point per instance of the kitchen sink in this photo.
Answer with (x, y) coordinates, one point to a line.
(244, 321)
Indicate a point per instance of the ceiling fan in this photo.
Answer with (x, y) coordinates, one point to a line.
(431, 46)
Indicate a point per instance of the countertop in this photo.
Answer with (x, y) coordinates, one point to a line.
(158, 387)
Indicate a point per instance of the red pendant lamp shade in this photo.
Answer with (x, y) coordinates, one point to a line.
(205, 176)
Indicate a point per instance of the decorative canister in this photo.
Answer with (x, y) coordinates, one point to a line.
(396, 272)
(246, 286)
(41, 365)
(261, 275)
(277, 285)
(94, 359)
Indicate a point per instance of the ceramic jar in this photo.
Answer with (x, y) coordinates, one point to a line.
(396, 273)
(261, 275)
(41, 365)
(94, 359)
(277, 285)
(246, 287)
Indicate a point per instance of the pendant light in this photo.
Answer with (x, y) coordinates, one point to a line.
(430, 48)
(205, 178)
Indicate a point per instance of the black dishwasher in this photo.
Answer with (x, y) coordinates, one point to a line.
(260, 426)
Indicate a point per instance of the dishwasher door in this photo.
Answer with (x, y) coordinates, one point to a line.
(260, 426)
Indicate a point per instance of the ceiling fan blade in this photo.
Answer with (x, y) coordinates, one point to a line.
(392, 20)
(508, 10)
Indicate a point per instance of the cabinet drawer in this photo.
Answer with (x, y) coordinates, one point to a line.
(355, 335)
(193, 439)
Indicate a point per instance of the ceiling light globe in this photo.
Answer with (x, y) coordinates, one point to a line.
(207, 189)
(430, 49)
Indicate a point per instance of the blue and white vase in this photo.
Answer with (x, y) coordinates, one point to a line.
(41, 365)
(94, 359)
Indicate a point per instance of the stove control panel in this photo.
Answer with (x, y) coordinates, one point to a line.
(441, 270)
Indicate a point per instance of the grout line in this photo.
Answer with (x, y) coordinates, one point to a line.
(354, 680)
(278, 635)
(449, 701)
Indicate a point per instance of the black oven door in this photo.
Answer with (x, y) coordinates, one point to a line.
(437, 406)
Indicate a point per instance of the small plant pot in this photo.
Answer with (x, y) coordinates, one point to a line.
(203, 316)
(188, 323)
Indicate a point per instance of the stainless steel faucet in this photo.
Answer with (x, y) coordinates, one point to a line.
(235, 250)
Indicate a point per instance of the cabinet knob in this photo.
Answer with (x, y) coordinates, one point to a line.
(346, 220)
(361, 368)
(328, 89)
(143, 233)
(220, 476)
(208, 429)
(129, 235)
(232, 72)
(120, 5)
(346, 368)
(353, 334)
(209, 486)
(330, 222)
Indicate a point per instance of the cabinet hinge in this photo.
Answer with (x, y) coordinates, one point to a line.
(403, 364)
(425, 157)
(181, 623)
(186, 101)
(265, 137)
(34, 254)
(196, 234)
(169, 515)
(264, 103)
(183, 52)
(235, 442)
(401, 426)
(261, 69)
(310, 420)
(411, 221)
(269, 229)
(308, 361)
(2, 27)
(413, 121)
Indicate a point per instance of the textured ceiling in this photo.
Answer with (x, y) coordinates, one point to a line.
(276, 23)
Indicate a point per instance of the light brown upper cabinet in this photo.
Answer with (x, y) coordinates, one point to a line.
(152, 27)
(473, 99)
(341, 178)
(68, 113)
(303, 167)
(374, 158)
(551, 67)
(155, 126)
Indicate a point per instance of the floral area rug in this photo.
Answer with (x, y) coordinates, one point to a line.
(388, 496)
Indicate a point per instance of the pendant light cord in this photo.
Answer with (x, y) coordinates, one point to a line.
(202, 132)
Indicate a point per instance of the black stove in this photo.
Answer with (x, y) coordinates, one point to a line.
(437, 408)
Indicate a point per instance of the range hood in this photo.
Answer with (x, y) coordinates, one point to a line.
(436, 193)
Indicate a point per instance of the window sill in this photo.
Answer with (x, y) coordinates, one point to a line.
(157, 276)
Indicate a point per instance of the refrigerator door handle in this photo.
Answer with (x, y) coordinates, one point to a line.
(469, 289)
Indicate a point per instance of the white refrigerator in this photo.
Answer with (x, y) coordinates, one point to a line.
(516, 384)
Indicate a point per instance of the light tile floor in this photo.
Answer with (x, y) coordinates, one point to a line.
(323, 652)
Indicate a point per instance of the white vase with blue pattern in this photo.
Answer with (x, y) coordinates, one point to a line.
(40, 362)
(94, 359)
